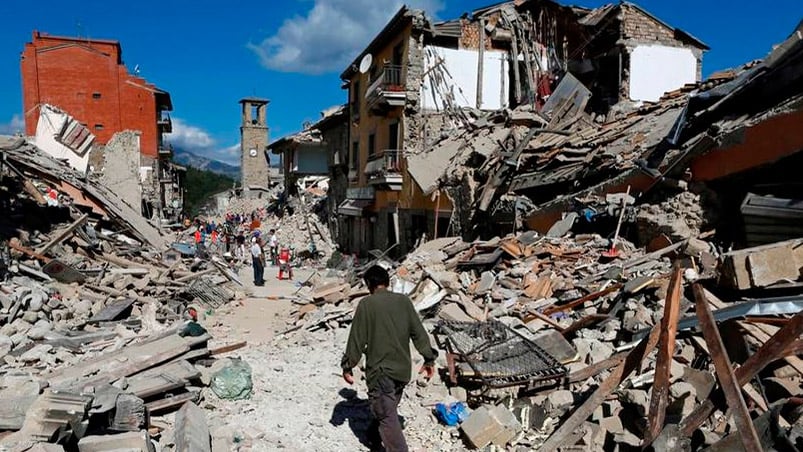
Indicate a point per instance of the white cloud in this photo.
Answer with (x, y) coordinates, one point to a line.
(331, 34)
(198, 141)
(16, 124)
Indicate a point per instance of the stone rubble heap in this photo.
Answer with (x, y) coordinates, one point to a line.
(99, 341)
(638, 363)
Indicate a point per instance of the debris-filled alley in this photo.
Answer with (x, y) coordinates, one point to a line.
(600, 263)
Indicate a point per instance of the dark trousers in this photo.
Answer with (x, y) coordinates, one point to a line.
(259, 271)
(384, 400)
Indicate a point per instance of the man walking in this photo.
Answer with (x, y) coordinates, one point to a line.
(382, 328)
(258, 260)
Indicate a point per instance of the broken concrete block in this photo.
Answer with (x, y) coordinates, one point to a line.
(561, 227)
(486, 283)
(453, 312)
(558, 402)
(18, 394)
(36, 354)
(671, 440)
(6, 345)
(481, 427)
(702, 381)
(637, 399)
(192, 430)
(762, 266)
(131, 441)
(683, 399)
(510, 425)
(491, 425)
(612, 425)
(46, 447)
(458, 393)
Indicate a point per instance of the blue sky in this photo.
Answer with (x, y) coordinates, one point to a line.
(209, 54)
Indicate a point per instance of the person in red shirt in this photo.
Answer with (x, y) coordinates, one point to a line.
(198, 237)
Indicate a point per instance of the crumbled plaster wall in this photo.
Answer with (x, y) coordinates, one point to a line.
(121, 167)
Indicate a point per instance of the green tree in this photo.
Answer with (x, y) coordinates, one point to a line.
(202, 184)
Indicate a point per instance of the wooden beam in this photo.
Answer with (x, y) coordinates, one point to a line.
(666, 350)
(590, 297)
(779, 345)
(171, 402)
(622, 371)
(727, 379)
(63, 234)
(228, 348)
(595, 369)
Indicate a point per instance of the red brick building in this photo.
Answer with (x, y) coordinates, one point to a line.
(87, 79)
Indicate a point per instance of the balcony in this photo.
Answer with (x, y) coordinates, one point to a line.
(165, 124)
(165, 150)
(387, 90)
(385, 169)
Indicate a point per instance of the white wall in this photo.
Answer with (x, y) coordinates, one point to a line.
(655, 70)
(51, 122)
(461, 66)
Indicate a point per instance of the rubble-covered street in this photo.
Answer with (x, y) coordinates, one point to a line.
(602, 260)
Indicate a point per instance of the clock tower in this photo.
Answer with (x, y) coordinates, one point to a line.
(254, 163)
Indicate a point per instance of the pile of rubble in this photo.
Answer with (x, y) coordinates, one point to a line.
(299, 221)
(99, 341)
(556, 341)
(569, 335)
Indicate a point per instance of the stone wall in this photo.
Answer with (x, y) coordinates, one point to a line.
(254, 168)
(121, 165)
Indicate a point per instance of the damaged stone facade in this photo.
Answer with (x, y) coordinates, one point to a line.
(403, 99)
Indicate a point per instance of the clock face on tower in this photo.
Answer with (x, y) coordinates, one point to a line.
(252, 152)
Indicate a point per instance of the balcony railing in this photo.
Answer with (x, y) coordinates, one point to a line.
(165, 123)
(388, 88)
(165, 150)
(386, 163)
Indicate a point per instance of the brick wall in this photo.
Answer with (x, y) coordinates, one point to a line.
(639, 28)
(88, 80)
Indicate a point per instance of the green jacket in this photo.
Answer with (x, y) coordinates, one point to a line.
(383, 326)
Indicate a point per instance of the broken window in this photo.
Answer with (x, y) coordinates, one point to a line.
(98, 126)
(96, 95)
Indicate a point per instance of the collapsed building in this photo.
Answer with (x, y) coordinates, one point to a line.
(646, 293)
(420, 80)
(78, 96)
(98, 332)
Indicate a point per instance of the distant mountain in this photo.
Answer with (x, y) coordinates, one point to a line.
(187, 158)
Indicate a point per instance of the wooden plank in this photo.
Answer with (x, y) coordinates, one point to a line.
(774, 348)
(725, 375)
(171, 402)
(590, 297)
(120, 363)
(63, 234)
(622, 371)
(162, 379)
(666, 350)
(228, 348)
(596, 369)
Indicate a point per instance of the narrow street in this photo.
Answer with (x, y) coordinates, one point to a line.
(300, 401)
